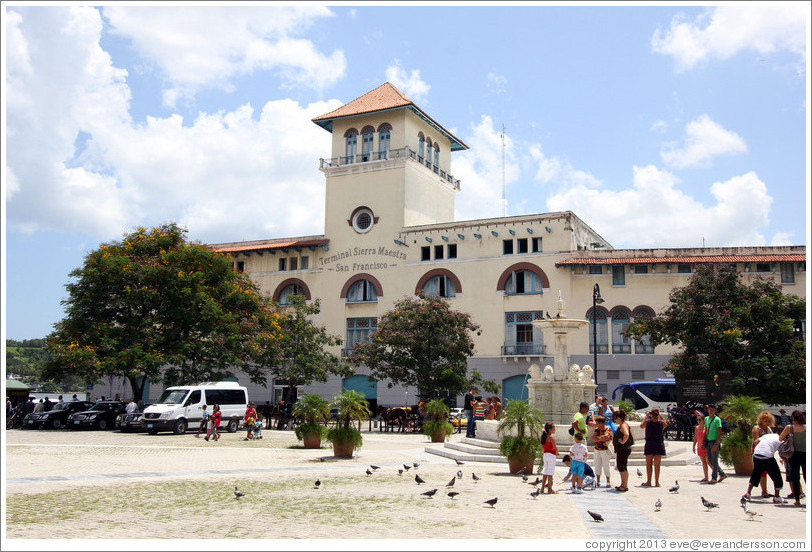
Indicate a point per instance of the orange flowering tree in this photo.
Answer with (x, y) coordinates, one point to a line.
(423, 343)
(157, 306)
(722, 325)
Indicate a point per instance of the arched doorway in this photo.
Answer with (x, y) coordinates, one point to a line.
(365, 385)
(515, 387)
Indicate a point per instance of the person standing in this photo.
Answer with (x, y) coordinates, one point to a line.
(602, 437)
(579, 423)
(249, 418)
(764, 425)
(479, 408)
(468, 410)
(622, 441)
(797, 462)
(549, 456)
(216, 415)
(132, 406)
(699, 443)
(579, 452)
(654, 449)
(713, 437)
(204, 423)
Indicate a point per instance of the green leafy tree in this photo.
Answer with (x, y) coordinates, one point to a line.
(421, 342)
(304, 357)
(753, 332)
(157, 306)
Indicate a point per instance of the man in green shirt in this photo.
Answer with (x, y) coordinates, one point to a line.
(713, 427)
(579, 420)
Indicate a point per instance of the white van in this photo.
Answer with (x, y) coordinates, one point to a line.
(645, 395)
(182, 406)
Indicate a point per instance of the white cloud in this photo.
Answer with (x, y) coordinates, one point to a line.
(222, 175)
(659, 126)
(656, 213)
(480, 172)
(704, 140)
(209, 46)
(408, 82)
(722, 32)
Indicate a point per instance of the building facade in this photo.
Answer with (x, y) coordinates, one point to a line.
(389, 233)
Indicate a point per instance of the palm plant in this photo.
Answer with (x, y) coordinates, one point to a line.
(314, 409)
(742, 411)
(352, 406)
(437, 425)
(527, 422)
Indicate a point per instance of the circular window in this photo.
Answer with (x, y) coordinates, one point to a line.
(362, 220)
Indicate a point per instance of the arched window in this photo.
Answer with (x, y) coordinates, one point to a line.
(428, 151)
(352, 144)
(384, 132)
(440, 285)
(367, 135)
(287, 291)
(598, 322)
(436, 155)
(621, 344)
(421, 144)
(362, 290)
(644, 346)
(523, 281)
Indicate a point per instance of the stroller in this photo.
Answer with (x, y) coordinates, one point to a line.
(257, 433)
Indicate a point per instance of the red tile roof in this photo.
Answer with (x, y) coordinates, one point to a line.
(267, 245)
(776, 258)
(385, 97)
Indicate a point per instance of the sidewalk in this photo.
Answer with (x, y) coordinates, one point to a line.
(108, 485)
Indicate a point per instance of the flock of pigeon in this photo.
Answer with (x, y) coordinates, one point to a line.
(535, 493)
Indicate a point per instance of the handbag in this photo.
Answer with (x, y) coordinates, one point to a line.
(787, 447)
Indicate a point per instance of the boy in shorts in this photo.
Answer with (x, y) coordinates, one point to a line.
(578, 454)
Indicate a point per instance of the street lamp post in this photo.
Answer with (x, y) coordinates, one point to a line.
(596, 300)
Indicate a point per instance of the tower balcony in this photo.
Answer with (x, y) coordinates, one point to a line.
(382, 156)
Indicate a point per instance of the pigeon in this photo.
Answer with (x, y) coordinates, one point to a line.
(459, 474)
(750, 513)
(709, 505)
(639, 473)
(418, 479)
(521, 471)
(675, 488)
(452, 494)
(524, 478)
(536, 482)
(415, 464)
(595, 515)
(430, 493)
(459, 462)
(548, 316)
(743, 501)
(535, 493)
(451, 483)
(369, 472)
(491, 502)
(238, 493)
(317, 483)
(374, 467)
(475, 477)
(406, 467)
(400, 471)
(658, 505)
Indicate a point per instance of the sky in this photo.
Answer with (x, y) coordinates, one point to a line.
(658, 125)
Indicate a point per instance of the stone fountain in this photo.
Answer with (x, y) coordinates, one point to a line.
(557, 390)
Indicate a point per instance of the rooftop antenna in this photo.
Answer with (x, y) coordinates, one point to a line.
(504, 196)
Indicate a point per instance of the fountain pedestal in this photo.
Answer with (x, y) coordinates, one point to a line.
(558, 390)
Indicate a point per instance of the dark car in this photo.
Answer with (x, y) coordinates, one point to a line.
(101, 415)
(57, 417)
(130, 421)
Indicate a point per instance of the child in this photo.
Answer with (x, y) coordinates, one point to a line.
(204, 423)
(589, 474)
(258, 429)
(579, 453)
(550, 452)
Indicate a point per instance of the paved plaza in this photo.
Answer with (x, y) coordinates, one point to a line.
(108, 485)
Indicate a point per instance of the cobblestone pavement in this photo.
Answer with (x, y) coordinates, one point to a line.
(63, 484)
